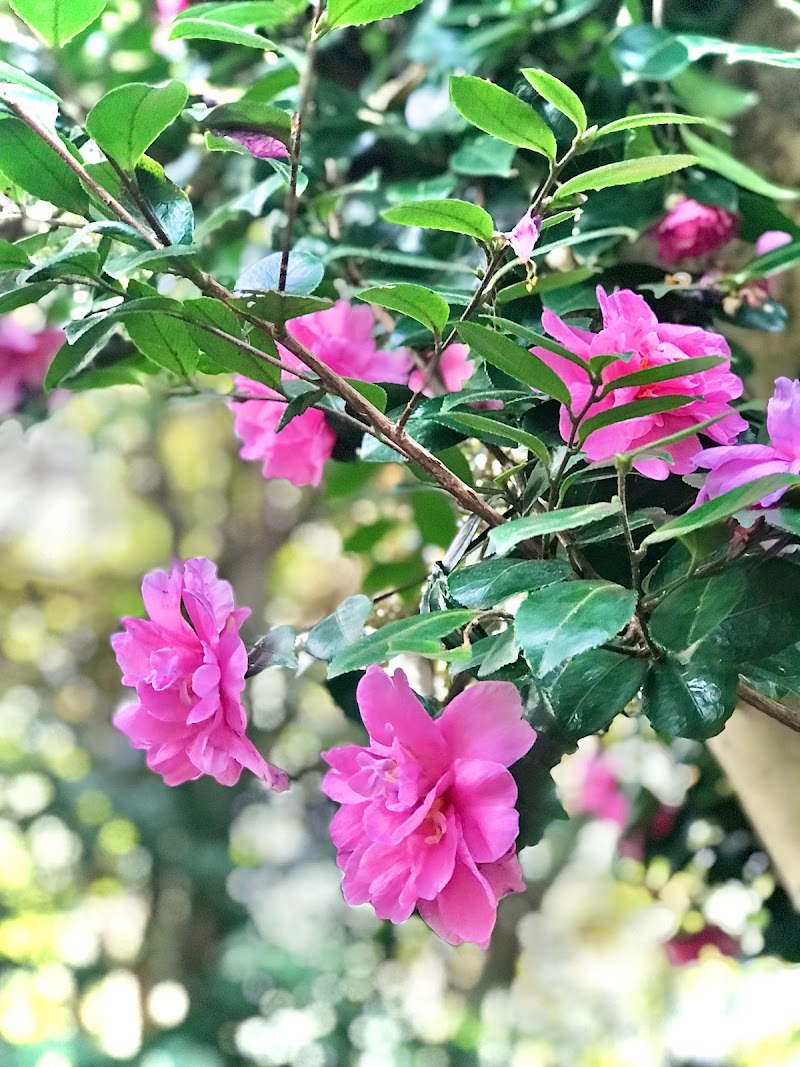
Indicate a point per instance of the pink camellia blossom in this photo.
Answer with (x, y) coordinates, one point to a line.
(629, 325)
(166, 10)
(600, 794)
(187, 663)
(455, 370)
(734, 465)
(341, 337)
(260, 145)
(769, 241)
(683, 949)
(524, 236)
(24, 359)
(693, 229)
(427, 815)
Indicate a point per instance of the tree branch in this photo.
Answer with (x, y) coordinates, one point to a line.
(780, 712)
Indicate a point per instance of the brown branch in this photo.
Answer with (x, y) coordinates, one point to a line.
(780, 712)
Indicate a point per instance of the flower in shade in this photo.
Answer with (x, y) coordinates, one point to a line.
(630, 326)
(524, 236)
(187, 663)
(735, 465)
(427, 816)
(260, 145)
(693, 229)
(341, 337)
(769, 241)
(686, 948)
(24, 359)
(600, 794)
(454, 371)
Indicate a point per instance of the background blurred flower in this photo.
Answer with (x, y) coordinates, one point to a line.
(693, 229)
(686, 948)
(24, 359)
(734, 465)
(629, 325)
(455, 370)
(427, 817)
(600, 793)
(260, 145)
(187, 663)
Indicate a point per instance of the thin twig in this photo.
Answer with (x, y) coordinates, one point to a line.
(780, 712)
(428, 375)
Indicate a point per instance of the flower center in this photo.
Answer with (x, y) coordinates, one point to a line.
(435, 823)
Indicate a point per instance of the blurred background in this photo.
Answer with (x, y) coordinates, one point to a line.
(204, 927)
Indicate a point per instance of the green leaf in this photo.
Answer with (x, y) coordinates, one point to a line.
(300, 403)
(417, 634)
(699, 45)
(663, 442)
(721, 162)
(11, 76)
(636, 409)
(626, 172)
(545, 283)
(169, 204)
(21, 295)
(262, 13)
(208, 315)
(513, 360)
(58, 21)
(590, 690)
(501, 114)
(360, 12)
(506, 537)
(747, 613)
(372, 392)
(721, 507)
(537, 339)
(126, 121)
(559, 95)
(457, 216)
(691, 699)
(275, 649)
(780, 259)
(649, 53)
(487, 584)
(12, 257)
(561, 621)
(504, 651)
(250, 115)
(666, 372)
(207, 30)
(338, 631)
(72, 358)
(303, 275)
(278, 307)
(420, 304)
(480, 424)
(36, 168)
(484, 156)
(700, 90)
(652, 118)
(164, 340)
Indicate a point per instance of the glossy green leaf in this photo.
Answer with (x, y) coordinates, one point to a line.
(338, 631)
(721, 507)
(169, 204)
(590, 690)
(417, 634)
(626, 172)
(37, 169)
(722, 162)
(126, 121)
(559, 95)
(458, 216)
(208, 30)
(545, 283)
(12, 257)
(506, 537)
(58, 21)
(278, 307)
(692, 699)
(775, 262)
(666, 372)
(165, 340)
(537, 339)
(303, 276)
(561, 621)
(250, 115)
(275, 649)
(208, 319)
(501, 114)
(72, 358)
(514, 360)
(263, 13)
(636, 409)
(480, 425)
(484, 585)
(651, 118)
(420, 304)
(361, 12)
(699, 45)
(484, 156)
(11, 77)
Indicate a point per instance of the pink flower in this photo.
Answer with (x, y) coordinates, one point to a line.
(630, 326)
(455, 370)
(600, 793)
(524, 236)
(24, 359)
(735, 465)
(187, 663)
(260, 145)
(686, 948)
(166, 10)
(693, 229)
(341, 337)
(769, 242)
(427, 817)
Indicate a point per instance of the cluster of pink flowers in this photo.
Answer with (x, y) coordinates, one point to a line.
(24, 359)
(734, 465)
(629, 325)
(693, 229)
(342, 338)
(427, 816)
(187, 663)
